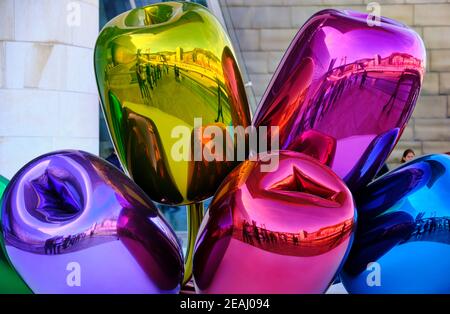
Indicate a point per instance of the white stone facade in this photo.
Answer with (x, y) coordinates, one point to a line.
(48, 94)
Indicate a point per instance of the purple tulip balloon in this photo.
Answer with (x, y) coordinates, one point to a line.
(73, 223)
(345, 90)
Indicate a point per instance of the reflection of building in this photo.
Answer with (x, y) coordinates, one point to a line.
(396, 62)
(179, 54)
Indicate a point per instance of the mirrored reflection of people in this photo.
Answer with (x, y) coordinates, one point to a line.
(141, 75)
(219, 102)
(148, 71)
(246, 233)
(407, 155)
(176, 71)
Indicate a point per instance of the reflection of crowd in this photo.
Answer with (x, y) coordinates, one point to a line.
(55, 244)
(259, 233)
(98, 232)
(426, 227)
(148, 75)
(253, 234)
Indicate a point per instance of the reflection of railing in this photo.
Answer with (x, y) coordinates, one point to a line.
(148, 71)
(394, 77)
(97, 234)
(394, 63)
(199, 61)
(301, 243)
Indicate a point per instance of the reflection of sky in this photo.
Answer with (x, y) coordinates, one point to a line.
(169, 40)
(350, 46)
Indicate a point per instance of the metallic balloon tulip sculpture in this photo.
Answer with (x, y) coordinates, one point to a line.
(73, 223)
(344, 91)
(402, 244)
(10, 281)
(286, 231)
(163, 72)
(167, 75)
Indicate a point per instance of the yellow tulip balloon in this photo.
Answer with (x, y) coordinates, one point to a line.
(162, 70)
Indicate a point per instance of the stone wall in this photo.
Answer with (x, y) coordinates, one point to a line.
(48, 94)
(264, 29)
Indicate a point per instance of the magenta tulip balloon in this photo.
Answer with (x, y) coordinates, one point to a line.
(352, 84)
(73, 223)
(285, 231)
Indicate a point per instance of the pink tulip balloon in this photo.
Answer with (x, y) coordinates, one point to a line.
(345, 90)
(286, 231)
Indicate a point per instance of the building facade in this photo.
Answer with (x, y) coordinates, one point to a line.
(48, 94)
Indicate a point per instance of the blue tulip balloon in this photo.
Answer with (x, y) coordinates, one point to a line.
(402, 243)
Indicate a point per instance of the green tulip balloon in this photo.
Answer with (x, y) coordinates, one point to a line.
(10, 281)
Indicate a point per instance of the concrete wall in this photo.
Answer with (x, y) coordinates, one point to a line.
(48, 94)
(264, 29)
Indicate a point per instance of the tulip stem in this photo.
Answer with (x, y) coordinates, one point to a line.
(194, 219)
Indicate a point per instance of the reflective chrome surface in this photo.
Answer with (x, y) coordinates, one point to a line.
(73, 223)
(404, 228)
(349, 86)
(159, 67)
(286, 231)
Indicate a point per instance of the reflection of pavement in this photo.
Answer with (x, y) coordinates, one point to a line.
(357, 116)
(285, 271)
